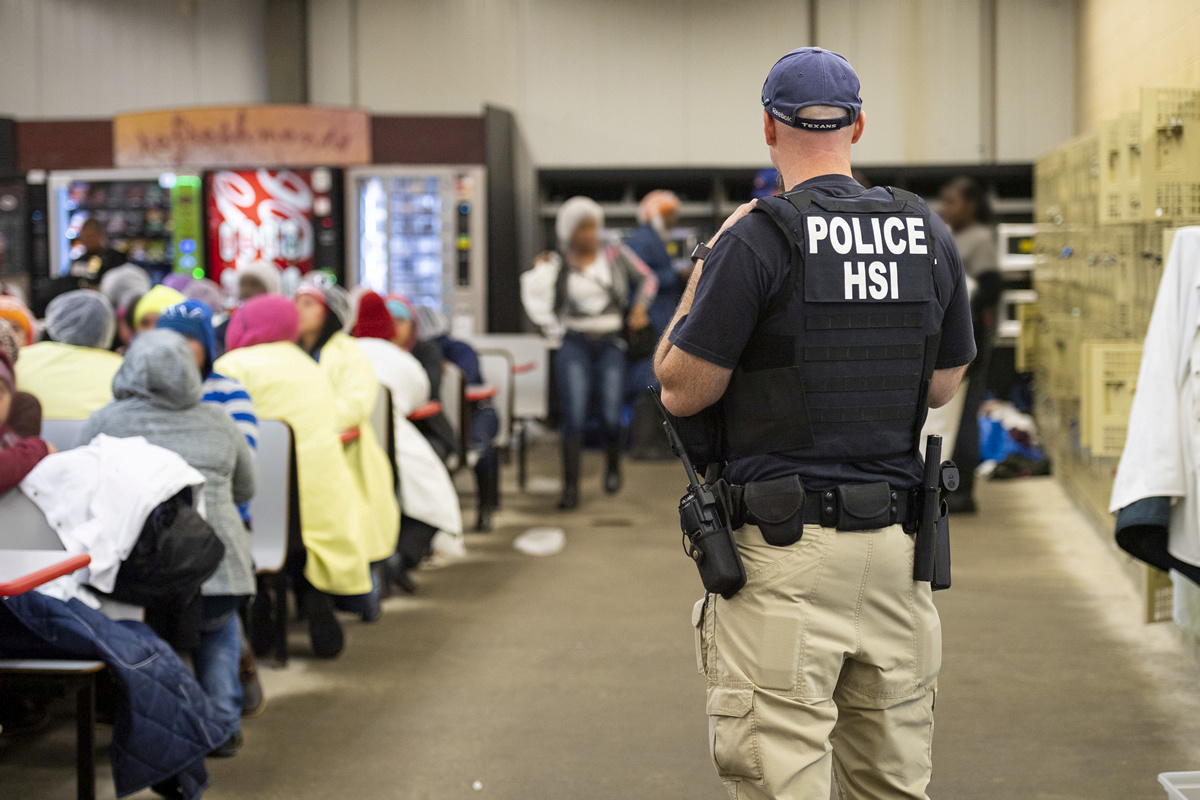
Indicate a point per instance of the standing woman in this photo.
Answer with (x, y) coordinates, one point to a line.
(591, 292)
(965, 208)
(324, 311)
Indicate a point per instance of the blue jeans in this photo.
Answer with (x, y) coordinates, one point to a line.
(217, 658)
(585, 366)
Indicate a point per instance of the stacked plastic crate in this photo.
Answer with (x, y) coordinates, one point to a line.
(1106, 206)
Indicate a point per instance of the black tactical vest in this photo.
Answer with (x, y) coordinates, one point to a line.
(838, 368)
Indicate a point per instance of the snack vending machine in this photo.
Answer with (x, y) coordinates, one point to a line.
(150, 216)
(422, 232)
(288, 217)
(15, 226)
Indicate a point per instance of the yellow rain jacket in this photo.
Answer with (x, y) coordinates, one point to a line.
(287, 385)
(69, 381)
(356, 390)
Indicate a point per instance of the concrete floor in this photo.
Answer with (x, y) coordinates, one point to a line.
(573, 676)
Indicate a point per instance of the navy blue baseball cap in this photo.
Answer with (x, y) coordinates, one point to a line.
(811, 76)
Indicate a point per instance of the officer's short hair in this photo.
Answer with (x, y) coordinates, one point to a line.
(823, 112)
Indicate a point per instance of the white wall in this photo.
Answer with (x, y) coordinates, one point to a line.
(676, 82)
(95, 58)
(1035, 76)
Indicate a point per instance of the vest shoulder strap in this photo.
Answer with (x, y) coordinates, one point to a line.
(795, 259)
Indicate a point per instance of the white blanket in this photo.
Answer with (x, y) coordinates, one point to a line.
(97, 498)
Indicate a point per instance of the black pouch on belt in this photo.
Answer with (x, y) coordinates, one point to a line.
(865, 507)
(777, 508)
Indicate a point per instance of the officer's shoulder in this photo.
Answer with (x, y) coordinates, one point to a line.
(761, 236)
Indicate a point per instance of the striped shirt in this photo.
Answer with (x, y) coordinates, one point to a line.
(232, 396)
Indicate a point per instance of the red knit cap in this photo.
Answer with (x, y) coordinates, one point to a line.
(374, 321)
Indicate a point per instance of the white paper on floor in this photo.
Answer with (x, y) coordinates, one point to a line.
(541, 541)
(543, 486)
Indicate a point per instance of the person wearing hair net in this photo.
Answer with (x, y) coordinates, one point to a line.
(258, 277)
(159, 396)
(124, 282)
(434, 326)
(323, 308)
(603, 291)
(71, 373)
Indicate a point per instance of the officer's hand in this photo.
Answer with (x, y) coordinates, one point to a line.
(51, 449)
(638, 318)
(543, 257)
(741, 211)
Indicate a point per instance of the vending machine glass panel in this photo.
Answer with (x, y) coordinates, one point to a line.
(418, 232)
(152, 218)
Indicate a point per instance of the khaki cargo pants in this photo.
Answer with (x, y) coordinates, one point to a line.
(822, 669)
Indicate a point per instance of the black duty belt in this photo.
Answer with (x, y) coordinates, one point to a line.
(781, 507)
(822, 508)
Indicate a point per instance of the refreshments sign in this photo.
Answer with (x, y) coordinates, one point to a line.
(228, 136)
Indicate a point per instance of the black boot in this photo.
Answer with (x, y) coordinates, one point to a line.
(487, 480)
(612, 471)
(324, 630)
(572, 453)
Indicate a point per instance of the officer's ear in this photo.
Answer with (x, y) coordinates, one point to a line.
(858, 129)
(769, 129)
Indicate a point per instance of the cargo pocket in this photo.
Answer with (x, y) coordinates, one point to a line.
(733, 733)
(698, 626)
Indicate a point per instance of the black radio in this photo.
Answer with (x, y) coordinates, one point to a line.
(704, 520)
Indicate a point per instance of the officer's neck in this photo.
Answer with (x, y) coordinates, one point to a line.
(797, 171)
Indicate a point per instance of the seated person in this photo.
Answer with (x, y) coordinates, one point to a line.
(25, 416)
(18, 455)
(287, 385)
(485, 424)
(71, 373)
(123, 283)
(194, 321)
(324, 311)
(428, 499)
(435, 429)
(158, 395)
(17, 314)
(149, 308)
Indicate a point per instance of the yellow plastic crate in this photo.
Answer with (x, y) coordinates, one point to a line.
(1109, 379)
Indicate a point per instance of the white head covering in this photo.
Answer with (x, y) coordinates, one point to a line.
(572, 214)
(123, 282)
(431, 323)
(264, 273)
(83, 318)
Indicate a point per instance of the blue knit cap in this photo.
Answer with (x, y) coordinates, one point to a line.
(193, 319)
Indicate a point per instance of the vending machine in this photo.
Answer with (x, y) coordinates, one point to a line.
(153, 217)
(422, 232)
(289, 217)
(15, 226)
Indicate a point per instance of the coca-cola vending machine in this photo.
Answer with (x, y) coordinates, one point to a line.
(289, 217)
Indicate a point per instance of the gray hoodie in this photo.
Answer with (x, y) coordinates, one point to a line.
(157, 395)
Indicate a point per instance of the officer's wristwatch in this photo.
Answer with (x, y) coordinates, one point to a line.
(701, 252)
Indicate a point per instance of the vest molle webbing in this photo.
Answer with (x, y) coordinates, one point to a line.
(839, 367)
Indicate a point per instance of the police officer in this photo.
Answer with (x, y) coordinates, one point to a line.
(825, 322)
